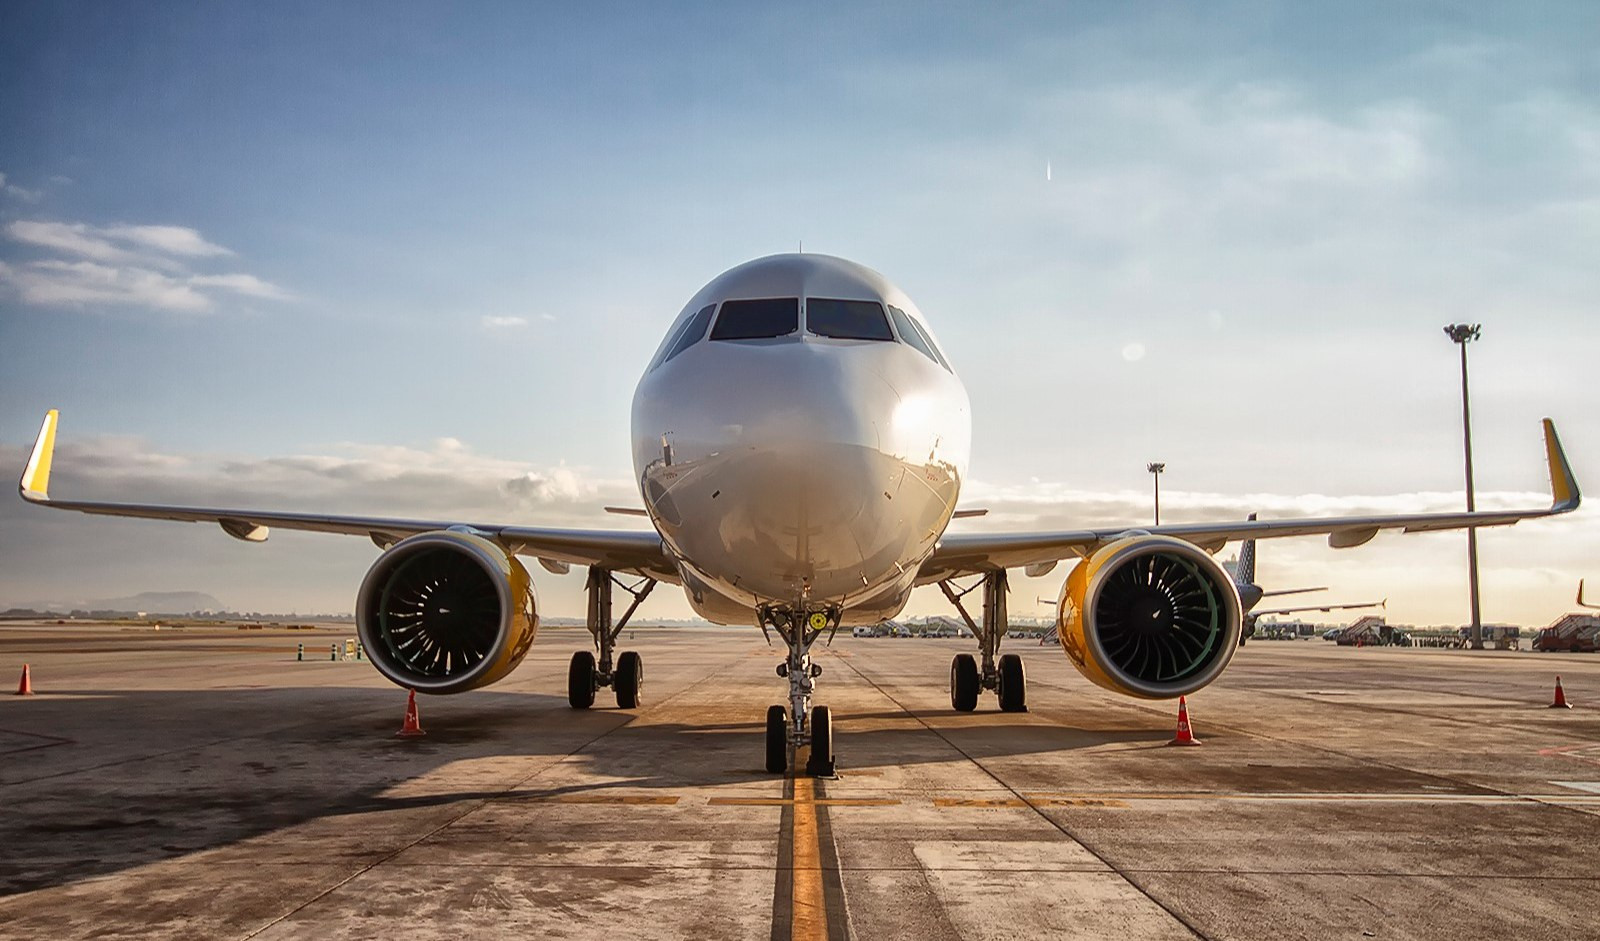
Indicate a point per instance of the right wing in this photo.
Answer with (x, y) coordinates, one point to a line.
(628, 551)
(972, 553)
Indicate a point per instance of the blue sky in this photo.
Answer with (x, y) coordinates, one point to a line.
(407, 258)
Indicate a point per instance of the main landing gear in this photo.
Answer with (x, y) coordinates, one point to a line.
(801, 724)
(967, 677)
(626, 677)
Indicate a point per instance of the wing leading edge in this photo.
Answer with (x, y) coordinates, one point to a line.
(969, 553)
(621, 550)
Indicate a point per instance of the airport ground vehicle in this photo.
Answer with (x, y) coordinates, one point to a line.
(1371, 631)
(1578, 633)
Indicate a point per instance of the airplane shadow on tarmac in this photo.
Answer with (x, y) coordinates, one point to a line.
(182, 772)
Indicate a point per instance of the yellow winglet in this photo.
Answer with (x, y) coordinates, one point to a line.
(35, 483)
(1564, 495)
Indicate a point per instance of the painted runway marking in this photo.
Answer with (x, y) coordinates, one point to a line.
(1032, 802)
(603, 799)
(810, 801)
(1329, 797)
(1591, 786)
(808, 913)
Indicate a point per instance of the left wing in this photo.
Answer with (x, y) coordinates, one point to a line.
(640, 552)
(969, 553)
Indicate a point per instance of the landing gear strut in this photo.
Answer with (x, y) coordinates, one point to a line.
(967, 675)
(802, 724)
(626, 675)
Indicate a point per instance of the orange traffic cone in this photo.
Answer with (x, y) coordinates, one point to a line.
(412, 727)
(1185, 734)
(25, 688)
(1560, 701)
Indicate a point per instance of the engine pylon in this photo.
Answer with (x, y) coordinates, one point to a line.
(412, 726)
(1560, 702)
(1185, 734)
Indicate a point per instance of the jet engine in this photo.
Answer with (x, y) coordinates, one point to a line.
(445, 612)
(1149, 616)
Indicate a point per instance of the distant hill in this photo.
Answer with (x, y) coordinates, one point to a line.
(150, 602)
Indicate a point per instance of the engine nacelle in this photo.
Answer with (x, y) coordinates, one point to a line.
(1149, 616)
(445, 612)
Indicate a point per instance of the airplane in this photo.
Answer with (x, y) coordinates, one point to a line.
(799, 442)
(1581, 602)
(1251, 594)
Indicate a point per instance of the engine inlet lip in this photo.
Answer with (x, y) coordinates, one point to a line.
(378, 651)
(1152, 545)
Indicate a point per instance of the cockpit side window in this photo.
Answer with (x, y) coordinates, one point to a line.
(847, 320)
(757, 319)
(912, 333)
(693, 332)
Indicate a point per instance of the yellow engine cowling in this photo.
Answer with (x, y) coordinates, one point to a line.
(1149, 616)
(445, 612)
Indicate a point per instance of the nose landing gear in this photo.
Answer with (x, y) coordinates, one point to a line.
(626, 676)
(801, 724)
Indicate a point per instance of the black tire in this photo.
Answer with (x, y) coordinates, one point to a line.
(628, 680)
(777, 740)
(580, 680)
(963, 683)
(1013, 684)
(820, 764)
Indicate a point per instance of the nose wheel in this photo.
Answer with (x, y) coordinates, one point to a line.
(800, 724)
(820, 764)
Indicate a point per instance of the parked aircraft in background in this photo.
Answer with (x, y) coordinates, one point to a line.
(799, 441)
(1581, 602)
(1250, 594)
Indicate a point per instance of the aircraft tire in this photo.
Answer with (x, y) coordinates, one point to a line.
(580, 680)
(963, 683)
(777, 740)
(1013, 684)
(629, 679)
(820, 764)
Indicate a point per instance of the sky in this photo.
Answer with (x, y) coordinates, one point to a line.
(409, 259)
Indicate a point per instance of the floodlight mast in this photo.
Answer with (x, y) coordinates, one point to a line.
(1461, 334)
(1155, 470)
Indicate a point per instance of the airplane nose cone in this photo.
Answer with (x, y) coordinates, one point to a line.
(790, 485)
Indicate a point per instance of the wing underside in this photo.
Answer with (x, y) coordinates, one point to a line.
(621, 550)
(970, 553)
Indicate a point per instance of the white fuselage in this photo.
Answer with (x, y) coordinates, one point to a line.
(804, 470)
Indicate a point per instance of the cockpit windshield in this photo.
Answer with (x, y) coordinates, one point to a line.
(693, 332)
(757, 319)
(914, 335)
(847, 320)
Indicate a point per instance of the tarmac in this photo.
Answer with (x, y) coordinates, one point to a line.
(203, 783)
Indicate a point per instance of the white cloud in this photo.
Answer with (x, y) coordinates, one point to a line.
(13, 190)
(1133, 352)
(55, 283)
(247, 284)
(145, 266)
(172, 239)
(503, 323)
(116, 242)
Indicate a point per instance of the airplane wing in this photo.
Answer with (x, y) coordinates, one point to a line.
(1321, 607)
(971, 553)
(640, 552)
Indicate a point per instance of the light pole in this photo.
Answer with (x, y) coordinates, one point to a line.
(1155, 473)
(1461, 334)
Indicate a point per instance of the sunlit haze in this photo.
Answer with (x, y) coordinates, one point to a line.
(410, 259)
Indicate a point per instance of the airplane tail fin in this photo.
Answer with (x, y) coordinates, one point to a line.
(1245, 572)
